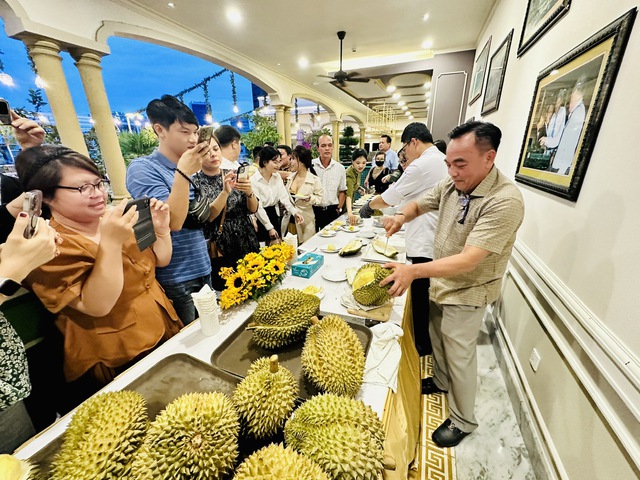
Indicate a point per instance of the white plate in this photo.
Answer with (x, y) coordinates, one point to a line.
(326, 250)
(351, 228)
(329, 233)
(366, 234)
(335, 274)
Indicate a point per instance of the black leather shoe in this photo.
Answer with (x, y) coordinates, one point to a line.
(429, 387)
(448, 435)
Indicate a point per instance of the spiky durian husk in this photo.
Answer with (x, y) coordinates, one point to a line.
(195, 436)
(282, 317)
(265, 399)
(102, 437)
(278, 462)
(342, 435)
(12, 468)
(333, 357)
(366, 290)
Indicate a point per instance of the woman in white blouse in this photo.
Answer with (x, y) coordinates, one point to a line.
(268, 186)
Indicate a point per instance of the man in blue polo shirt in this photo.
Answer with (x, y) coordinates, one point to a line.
(163, 175)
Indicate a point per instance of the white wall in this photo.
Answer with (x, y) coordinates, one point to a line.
(577, 300)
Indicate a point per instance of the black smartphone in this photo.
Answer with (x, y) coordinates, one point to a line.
(5, 112)
(143, 229)
(205, 134)
(242, 173)
(33, 206)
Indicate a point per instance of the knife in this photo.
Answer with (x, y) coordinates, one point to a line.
(386, 245)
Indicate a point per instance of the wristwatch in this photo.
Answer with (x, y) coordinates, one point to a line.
(8, 287)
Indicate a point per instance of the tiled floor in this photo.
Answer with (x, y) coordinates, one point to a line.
(495, 451)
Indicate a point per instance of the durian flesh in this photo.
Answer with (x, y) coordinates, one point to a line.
(194, 437)
(277, 462)
(366, 288)
(282, 317)
(342, 435)
(333, 357)
(266, 397)
(102, 437)
(12, 468)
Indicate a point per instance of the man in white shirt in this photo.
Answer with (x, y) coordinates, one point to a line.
(334, 184)
(391, 159)
(425, 167)
(229, 140)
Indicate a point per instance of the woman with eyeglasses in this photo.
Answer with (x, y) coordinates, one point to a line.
(110, 308)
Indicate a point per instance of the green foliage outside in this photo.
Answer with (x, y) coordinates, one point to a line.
(134, 145)
(264, 130)
(348, 144)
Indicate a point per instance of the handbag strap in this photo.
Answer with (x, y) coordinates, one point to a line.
(194, 185)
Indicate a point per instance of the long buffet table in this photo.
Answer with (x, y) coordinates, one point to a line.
(399, 411)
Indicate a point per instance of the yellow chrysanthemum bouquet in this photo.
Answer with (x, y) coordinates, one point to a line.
(255, 274)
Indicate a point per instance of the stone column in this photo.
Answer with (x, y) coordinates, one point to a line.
(335, 135)
(88, 64)
(362, 132)
(46, 57)
(287, 126)
(280, 122)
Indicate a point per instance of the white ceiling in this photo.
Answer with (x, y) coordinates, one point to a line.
(278, 33)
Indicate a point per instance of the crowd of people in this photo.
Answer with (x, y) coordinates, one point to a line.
(114, 303)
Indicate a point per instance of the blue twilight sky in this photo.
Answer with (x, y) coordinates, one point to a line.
(134, 73)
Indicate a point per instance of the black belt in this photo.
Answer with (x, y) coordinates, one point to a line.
(328, 207)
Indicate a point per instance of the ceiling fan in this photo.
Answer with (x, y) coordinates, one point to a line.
(340, 77)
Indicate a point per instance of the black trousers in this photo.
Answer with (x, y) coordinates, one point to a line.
(420, 310)
(325, 215)
(276, 221)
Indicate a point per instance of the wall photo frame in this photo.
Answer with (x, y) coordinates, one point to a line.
(540, 16)
(479, 70)
(568, 106)
(495, 79)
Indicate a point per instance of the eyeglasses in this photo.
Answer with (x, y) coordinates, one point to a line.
(463, 201)
(88, 189)
(404, 147)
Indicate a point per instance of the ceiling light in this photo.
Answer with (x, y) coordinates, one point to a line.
(427, 94)
(303, 62)
(427, 101)
(395, 96)
(427, 44)
(427, 85)
(278, 64)
(407, 113)
(410, 117)
(425, 17)
(404, 107)
(401, 103)
(171, 5)
(391, 88)
(234, 16)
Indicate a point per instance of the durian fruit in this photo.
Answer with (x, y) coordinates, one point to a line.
(282, 317)
(277, 462)
(102, 437)
(195, 436)
(351, 248)
(383, 248)
(342, 435)
(366, 288)
(12, 468)
(266, 397)
(333, 357)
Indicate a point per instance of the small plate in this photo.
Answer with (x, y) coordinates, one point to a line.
(335, 274)
(366, 234)
(327, 233)
(326, 250)
(351, 228)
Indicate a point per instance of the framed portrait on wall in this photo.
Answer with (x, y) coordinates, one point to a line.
(479, 71)
(495, 80)
(567, 109)
(540, 17)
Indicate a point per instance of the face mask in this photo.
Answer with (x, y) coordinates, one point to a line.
(379, 163)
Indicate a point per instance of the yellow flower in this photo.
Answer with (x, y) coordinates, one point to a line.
(226, 272)
(235, 281)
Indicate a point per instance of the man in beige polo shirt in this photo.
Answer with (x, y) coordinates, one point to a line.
(480, 211)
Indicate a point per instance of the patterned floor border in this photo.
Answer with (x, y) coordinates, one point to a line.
(434, 463)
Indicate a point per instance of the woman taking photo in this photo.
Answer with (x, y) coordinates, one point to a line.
(354, 182)
(269, 188)
(377, 173)
(110, 308)
(306, 189)
(231, 232)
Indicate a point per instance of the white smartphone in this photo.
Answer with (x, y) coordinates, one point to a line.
(242, 173)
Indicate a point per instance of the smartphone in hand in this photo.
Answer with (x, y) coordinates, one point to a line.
(143, 229)
(33, 206)
(5, 112)
(242, 173)
(205, 134)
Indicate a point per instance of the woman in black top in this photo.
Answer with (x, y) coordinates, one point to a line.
(377, 173)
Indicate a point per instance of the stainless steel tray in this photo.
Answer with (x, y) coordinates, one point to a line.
(239, 351)
(160, 385)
